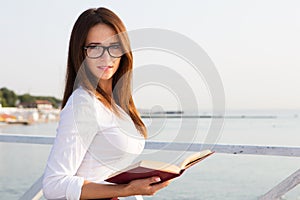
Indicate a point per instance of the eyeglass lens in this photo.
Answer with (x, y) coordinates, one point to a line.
(97, 51)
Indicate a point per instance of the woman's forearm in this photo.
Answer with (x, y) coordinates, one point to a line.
(136, 187)
(92, 190)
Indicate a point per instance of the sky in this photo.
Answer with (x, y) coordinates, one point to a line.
(254, 45)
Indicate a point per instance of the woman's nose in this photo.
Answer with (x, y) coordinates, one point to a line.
(105, 55)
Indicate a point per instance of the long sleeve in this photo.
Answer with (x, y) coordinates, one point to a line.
(76, 129)
(91, 143)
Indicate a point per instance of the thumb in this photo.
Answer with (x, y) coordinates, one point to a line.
(154, 179)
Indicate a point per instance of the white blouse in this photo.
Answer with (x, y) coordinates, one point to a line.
(91, 143)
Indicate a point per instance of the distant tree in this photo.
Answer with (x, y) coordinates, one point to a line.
(9, 96)
(26, 98)
(2, 99)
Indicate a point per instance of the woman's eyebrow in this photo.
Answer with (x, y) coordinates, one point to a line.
(93, 43)
(115, 43)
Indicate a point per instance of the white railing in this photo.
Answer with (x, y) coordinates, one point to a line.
(35, 191)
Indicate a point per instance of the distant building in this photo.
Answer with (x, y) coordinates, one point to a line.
(39, 104)
(27, 105)
(43, 105)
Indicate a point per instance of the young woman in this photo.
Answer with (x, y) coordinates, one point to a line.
(100, 130)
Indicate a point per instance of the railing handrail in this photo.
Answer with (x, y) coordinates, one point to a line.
(35, 191)
(175, 146)
(30, 139)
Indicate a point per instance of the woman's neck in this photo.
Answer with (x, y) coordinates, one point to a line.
(106, 85)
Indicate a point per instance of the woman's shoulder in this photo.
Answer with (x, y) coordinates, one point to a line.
(82, 92)
(81, 96)
(83, 103)
(83, 99)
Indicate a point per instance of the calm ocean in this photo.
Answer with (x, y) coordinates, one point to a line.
(222, 176)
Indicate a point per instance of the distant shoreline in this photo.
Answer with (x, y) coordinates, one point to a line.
(209, 116)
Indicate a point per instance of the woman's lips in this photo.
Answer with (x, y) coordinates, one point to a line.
(104, 67)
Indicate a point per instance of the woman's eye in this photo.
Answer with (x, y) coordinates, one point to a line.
(115, 46)
(94, 47)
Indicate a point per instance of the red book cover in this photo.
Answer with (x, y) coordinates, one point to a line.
(146, 169)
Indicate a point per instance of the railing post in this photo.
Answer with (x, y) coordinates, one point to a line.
(283, 187)
(34, 192)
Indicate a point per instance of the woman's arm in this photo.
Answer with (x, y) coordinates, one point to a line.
(76, 129)
(92, 190)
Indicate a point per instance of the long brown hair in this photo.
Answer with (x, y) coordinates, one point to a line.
(121, 83)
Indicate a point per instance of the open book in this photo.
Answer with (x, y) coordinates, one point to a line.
(147, 168)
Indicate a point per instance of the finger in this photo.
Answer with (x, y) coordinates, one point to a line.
(159, 186)
(167, 182)
(153, 180)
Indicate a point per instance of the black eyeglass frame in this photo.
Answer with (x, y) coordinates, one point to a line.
(105, 48)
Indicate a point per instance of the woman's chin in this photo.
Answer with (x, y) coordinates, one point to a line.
(105, 77)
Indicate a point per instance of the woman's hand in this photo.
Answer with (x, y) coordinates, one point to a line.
(145, 186)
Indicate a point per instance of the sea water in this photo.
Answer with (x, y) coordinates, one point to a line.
(221, 176)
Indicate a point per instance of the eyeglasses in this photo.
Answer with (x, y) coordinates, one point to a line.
(96, 51)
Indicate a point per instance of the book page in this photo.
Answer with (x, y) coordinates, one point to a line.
(195, 158)
(156, 165)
